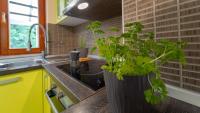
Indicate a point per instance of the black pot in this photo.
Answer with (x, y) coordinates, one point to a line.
(83, 52)
(74, 55)
(127, 96)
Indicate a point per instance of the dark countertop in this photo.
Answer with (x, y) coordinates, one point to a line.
(67, 83)
(19, 69)
(96, 101)
(21, 63)
(90, 101)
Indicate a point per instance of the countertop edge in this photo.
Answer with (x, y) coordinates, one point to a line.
(21, 69)
(68, 83)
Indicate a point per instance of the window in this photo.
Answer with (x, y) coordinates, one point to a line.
(20, 15)
(23, 13)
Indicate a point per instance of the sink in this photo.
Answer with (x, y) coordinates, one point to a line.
(89, 73)
(5, 65)
(20, 64)
(23, 62)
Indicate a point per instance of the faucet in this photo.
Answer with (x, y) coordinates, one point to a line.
(29, 45)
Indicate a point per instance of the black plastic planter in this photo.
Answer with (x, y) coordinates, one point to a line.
(127, 96)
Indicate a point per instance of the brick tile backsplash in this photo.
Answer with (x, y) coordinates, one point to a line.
(80, 31)
(61, 39)
(173, 20)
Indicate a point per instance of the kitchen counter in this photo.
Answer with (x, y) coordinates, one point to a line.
(67, 83)
(98, 103)
(20, 63)
(19, 69)
(90, 101)
(95, 101)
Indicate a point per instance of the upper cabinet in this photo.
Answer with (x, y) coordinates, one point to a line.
(51, 12)
(61, 4)
(55, 13)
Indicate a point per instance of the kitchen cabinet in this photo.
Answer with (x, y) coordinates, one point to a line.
(22, 92)
(46, 87)
(55, 13)
(61, 5)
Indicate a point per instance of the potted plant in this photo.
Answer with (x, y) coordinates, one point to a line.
(132, 74)
(95, 29)
(82, 48)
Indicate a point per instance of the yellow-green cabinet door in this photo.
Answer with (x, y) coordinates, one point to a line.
(46, 87)
(22, 92)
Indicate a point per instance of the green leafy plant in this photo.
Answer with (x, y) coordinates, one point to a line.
(95, 28)
(132, 54)
(82, 42)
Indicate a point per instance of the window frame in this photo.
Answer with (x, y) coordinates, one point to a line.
(4, 31)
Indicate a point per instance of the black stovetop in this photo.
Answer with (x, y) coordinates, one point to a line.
(89, 73)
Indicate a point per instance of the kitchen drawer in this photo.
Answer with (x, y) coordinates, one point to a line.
(22, 92)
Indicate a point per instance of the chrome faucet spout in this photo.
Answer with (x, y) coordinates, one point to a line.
(29, 45)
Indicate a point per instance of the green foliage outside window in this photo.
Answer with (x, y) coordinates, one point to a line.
(19, 36)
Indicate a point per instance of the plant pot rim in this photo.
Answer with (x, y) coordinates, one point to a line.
(125, 76)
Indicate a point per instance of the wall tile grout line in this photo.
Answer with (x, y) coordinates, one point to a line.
(179, 35)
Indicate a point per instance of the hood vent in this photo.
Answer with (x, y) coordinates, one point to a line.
(96, 10)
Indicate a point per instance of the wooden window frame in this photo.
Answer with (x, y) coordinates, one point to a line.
(4, 31)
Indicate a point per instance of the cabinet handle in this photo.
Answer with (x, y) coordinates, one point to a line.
(9, 81)
(3, 14)
(53, 107)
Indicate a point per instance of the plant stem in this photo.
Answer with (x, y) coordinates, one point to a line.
(164, 54)
(93, 33)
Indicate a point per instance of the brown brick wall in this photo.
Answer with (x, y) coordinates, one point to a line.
(61, 39)
(80, 31)
(174, 20)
